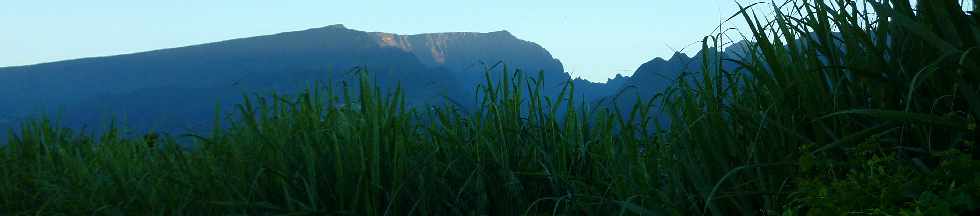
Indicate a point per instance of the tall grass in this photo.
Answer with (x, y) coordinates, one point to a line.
(840, 107)
(363, 154)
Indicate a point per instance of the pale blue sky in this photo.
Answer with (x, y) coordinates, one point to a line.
(594, 39)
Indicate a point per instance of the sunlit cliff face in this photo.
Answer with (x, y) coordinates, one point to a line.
(436, 45)
(388, 40)
(461, 50)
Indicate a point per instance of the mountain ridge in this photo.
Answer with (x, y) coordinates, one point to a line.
(136, 84)
(431, 67)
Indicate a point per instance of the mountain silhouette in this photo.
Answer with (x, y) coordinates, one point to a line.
(179, 89)
(652, 80)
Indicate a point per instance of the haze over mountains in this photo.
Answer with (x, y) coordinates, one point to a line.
(177, 90)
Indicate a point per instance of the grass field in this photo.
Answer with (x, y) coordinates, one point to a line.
(841, 107)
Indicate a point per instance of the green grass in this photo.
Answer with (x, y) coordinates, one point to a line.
(370, 155)
(844, 108)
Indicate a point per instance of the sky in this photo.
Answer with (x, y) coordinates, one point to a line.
(594, 39)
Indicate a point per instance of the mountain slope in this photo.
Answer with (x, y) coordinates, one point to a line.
(147, 86)
(656, 76)
(467, 53)
(178, 89)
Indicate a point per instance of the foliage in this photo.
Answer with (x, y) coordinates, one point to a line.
(367, 153)
(839, 107)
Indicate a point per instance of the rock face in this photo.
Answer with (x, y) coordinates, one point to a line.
(467, 53)
(177, 89)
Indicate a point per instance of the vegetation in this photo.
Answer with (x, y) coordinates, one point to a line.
(840, 107)
(843, 107)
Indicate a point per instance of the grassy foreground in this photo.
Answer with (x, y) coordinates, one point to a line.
(866, 107)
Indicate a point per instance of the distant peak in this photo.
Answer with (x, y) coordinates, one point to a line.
(503, 33)
(320, 30)
(335, 26)
(679, 55)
